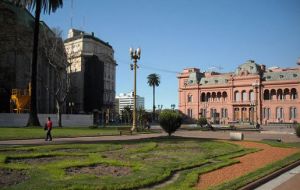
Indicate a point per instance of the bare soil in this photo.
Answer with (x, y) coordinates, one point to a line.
(10, 177)
(100, 170)
(248, 163)
(40, 160)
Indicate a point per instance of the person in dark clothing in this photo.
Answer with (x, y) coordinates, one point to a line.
(49, 128)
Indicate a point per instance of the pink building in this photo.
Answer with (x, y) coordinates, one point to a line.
(251, 94)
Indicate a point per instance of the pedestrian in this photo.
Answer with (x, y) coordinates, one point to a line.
(48, 127)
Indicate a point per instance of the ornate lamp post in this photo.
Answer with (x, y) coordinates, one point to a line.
(135, 55)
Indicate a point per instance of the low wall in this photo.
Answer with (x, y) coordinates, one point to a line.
(20, 120)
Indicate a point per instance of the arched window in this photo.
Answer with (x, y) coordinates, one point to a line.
(279, 113)
(294, 94)
(219, 95)
(244, 96)
(293, 113)
(203, 99)
(251, 95)
(266, 95)
(237, 96)
(224, 95)
(285, 93)
(208, 97)
(273, 94)
(279, 94)
(214, 96)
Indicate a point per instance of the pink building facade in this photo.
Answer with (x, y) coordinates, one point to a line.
(251, 94)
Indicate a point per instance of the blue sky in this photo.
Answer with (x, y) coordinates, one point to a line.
(176, 34)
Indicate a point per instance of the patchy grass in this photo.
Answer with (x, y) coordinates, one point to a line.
(37, 133)
(147, 162)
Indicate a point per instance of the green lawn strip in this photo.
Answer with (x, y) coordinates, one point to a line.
(252, 176)
(37, 133)
(281, 144)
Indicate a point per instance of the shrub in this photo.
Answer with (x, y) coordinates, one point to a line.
(297, 129)
(202, 121)
(93, 126)
(170, 121)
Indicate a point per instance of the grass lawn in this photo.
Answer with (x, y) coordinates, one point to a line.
(34, 133)
(114, 165)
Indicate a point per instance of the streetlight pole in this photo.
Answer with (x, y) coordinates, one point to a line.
(135, 55)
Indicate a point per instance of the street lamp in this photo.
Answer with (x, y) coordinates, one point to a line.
(71, 105)
(135, 55)
(252, 105)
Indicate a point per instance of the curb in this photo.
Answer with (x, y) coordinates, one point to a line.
(271, 176)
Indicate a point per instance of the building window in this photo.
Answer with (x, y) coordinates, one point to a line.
(252, 97)
(266, 113)
(244, 96)
(203, 112)
(213, 112)
(293, 113)
(190, 113)
(294, 94)
(190, 98)
(224, 113)
(237, 96)
(279, 113)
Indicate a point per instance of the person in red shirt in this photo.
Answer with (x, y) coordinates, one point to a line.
(49, 128)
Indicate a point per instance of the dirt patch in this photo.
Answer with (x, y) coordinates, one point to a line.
(40, 160)
(12, 177)
(68, 150)
(100, 170)
(248, 163)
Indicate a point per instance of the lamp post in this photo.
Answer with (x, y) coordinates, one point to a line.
(252, 105)
(255, 87)
(71, 105)
(135, 55)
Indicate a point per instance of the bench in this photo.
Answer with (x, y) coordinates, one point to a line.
(124, 130)
(230, 127)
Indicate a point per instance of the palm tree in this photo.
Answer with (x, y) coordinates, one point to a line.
(153, 80)
(47, 6)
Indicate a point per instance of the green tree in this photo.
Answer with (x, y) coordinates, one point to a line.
(202, 121)
(170, 121)
(127, 114)
(153, 80)
(47, 6)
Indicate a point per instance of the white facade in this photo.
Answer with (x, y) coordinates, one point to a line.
(126, 99)
(80, 44)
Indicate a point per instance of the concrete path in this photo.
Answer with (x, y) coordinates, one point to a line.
(248, 135)
(289, 180)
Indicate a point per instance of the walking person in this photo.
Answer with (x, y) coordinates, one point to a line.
(48, 127)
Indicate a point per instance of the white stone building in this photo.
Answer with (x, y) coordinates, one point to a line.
(126, 99)
(93, 72)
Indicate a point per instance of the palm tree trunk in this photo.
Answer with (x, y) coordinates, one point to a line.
(33, 118)
(153, 102)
